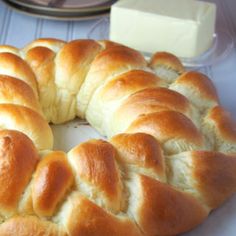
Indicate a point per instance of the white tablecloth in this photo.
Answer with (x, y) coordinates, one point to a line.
(18, 30)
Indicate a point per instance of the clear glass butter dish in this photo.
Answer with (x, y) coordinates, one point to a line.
(221, 47)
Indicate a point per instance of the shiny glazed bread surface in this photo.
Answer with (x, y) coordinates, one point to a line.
(168, 161)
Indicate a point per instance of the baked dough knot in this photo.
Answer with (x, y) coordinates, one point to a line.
(169, 159)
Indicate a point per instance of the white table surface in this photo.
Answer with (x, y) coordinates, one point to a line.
(18, 30)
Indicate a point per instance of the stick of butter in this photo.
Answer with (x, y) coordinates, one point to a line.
(182, 27)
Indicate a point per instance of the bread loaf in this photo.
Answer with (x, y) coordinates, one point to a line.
(169, 160)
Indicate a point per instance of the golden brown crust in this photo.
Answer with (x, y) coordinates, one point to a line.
(201, 82)
(94, 163)
(168, 60)
(166, 126)
(223, 129)
(103, 188)
(225, 125)
(107, 44)
(73, 62)
(30, 226)
(157, 99)
(52, 180)
(39, 55)
(87, 219)
(209, 176)
(198, 88)
(16, 91)
(18, 159)
(13, 65)
(148, 101)
(140, 151)
(28, 122)
(216, 175)
(51, 43)
(118, 56)
(163, 210)
(110, 62)
(128, 83)
(41, 60)
(8, 48)
(108, 97)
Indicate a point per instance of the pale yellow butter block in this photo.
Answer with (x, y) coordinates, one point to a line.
(182, 27)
